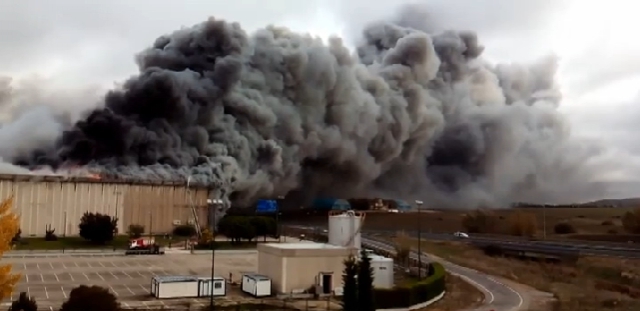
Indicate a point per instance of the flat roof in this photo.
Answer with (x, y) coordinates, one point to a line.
(303, 245)
(379, 258)
(257, 277)
(181, 278)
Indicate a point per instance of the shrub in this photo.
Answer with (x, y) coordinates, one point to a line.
(184, 231)
(607, 223)
(403, 297)
(479, 221)
(522, 224)
(24, 303)
(631, 221)
(97, 228)
(136, 231)
(94, 298)
(492, 250)
(16, 238)
(563, 228)
(350, 285)
(49, 234)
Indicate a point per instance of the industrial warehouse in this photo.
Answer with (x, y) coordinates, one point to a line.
(60, 202)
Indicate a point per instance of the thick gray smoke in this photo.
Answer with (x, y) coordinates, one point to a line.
(409, 114)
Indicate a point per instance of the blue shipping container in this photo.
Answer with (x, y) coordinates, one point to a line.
(266, 206)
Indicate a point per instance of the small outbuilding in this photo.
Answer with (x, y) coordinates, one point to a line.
(298, 267)
(256, 285)
(187, 286)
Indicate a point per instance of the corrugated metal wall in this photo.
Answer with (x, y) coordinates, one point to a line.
(61, 204)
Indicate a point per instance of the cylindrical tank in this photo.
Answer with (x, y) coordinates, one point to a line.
(344, 228)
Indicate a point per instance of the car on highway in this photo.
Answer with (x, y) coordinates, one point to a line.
(461, 235)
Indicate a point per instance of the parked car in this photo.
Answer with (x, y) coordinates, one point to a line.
(461, 235)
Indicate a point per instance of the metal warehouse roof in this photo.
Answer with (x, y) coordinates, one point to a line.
(257, 277)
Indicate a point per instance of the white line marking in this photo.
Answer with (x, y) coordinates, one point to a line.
(129, 289)
(28, 291)
(63, 292)
(64, 266)
(143, 288)
(24, 265)
(38, 266)
(100, 275)
(114, 276)
(477, 285)
(100, 262)
(41, 277)
(56, 275)
(76, 263)
(127, 274)
(46, 293)
(27, 277)
(86, 276)
(71, 276)
(51, 265)
(521, 300)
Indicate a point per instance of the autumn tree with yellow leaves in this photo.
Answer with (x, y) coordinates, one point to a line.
(8, 229)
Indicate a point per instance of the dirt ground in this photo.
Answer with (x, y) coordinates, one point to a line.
(590, 284)
(460, 296)
(602, 224)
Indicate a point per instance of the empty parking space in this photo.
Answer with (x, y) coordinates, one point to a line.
(50, 280)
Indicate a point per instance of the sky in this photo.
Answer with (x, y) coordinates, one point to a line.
(72, 46)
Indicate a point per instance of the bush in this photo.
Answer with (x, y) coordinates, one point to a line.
(631, 221)
(184, 231)
(94, 298)
(522, 224)
(16, 238)
(403, 297)
(492, 250)
(563, 228)
(49, 234)
(237, 228)
(135, 231)
(97, 228)
(479, 221)
(24, 303)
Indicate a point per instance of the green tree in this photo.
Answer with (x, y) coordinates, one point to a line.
(185, 231)
(24, 303)
(135, 231)
(264, 226)
(97, 228)
(350, 285)
(237, 228)
(365, 283)
(94, 298)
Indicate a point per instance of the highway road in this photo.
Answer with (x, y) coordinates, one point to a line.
(592, 249)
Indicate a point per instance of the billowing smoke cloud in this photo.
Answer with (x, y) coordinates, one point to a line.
(410, 113)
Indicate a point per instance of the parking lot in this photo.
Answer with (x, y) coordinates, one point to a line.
(50, 279)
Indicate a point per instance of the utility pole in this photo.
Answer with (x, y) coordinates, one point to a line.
(544, 221)
(214, 205)
(280, 200)
(419, 241)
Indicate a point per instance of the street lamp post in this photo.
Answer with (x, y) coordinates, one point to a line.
(419, 205)
(215, 205)
(278, 233)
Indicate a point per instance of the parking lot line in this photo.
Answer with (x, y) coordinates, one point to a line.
(46, 293)
(51, 265)
(26, 277)
(114, 291)
(64, 266)
(127, 274)
(71, 276)
(114, 276)
(63, 292)
(24, 266)
(85, 276)
(100, 275)
(129, 289)
(102, 264)
(41, 277)
(76, 263)
(38, 266)
(143, 288)
(56, 275)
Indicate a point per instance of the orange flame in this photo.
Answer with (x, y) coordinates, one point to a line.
(94, 176)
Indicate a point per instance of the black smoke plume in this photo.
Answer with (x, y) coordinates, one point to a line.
(410, 113)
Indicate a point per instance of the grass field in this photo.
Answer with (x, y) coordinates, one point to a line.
(590, 284)
(590, 223)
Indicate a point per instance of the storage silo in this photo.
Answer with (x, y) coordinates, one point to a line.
(344, 228)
